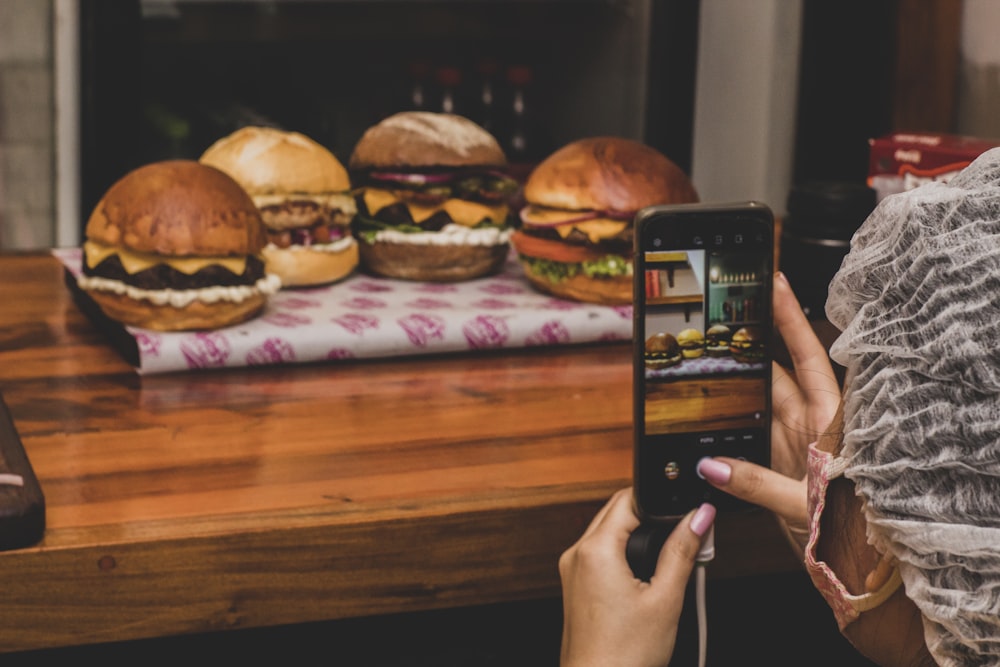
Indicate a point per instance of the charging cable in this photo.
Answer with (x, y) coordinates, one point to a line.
(705, 556)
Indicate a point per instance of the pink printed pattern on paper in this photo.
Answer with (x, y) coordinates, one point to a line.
(149, 343)
(287, 320)
(271, 351)
(364, 303)
(437, 288)
(356, 323)
(486, 331)
(206, 350)
(562, 304)
(339, 353)
(299, 303)
(611, 336)
(370, 286)
(550, 333)
(425, 303)
(494, 304)
(502, 288)
(624, 312)
(422, 329)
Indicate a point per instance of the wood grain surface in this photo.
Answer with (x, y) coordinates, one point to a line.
(239, 498)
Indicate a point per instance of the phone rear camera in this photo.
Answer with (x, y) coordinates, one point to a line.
(657, 242)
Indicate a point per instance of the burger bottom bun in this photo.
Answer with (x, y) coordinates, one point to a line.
(608, 291)
(197, 315)
(433, 263)
(662, 362)
(304, 267)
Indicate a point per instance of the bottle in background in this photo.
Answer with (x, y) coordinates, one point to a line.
(449, 84)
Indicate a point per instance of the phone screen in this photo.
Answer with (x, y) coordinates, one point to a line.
(702, 357)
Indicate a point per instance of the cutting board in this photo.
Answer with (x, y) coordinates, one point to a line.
(22, 505)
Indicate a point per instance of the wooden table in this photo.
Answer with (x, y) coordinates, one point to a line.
(242, 498)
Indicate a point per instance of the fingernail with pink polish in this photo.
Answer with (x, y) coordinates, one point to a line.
(714, 471)
(702, 519)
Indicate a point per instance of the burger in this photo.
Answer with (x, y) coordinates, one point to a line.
(304, 196)
(662, 351)
(692, 343)
(432, 198)
(717, 340)
(747, 346)
(176, 245)
(576, 236)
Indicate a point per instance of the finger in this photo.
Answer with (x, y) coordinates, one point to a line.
(755, 484)
(809, 357)
(677, 557)
(616, 512)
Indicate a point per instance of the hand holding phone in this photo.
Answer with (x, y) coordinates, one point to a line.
(702, 349)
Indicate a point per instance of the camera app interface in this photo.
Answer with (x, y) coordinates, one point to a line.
(706, 375)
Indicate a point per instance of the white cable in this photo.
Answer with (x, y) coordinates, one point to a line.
(705, 555)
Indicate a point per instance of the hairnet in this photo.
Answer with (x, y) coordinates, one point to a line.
(917, 300)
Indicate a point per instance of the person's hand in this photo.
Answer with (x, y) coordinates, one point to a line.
(609, 616)
(804, 400)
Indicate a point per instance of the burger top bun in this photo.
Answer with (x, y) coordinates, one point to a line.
(265, 160)
(607, 174)
(178, 208)
(426, 139)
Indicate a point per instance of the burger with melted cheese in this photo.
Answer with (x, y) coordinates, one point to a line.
(304, 196)
(175, 245)
(576, 235)
(432, 197)
(662, 351)
(747, 345)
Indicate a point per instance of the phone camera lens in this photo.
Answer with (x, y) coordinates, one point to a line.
(657, 242)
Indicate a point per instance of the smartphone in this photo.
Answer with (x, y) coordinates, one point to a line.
(702, 349)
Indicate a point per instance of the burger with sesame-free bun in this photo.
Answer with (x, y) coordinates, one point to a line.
(304, 196)
(662, 351)
(576, 235)
(175, 245)
(432, 197)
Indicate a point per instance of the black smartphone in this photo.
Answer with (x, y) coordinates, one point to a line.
(702, 349)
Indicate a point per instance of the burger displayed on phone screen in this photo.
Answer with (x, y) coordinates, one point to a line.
(174, 246)
(576, 236)
(432, 197)
(662, 351)
(304, 196)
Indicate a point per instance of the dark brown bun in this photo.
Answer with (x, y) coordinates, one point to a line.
(692, 343)
(266, 160)
(423, 139)
(581, 287)
(178, 208)
(432, 263)
(607, 174)
(662, 351)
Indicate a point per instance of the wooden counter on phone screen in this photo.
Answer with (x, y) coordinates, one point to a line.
(227, 499)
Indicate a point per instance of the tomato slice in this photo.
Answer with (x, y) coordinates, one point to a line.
(556, 251)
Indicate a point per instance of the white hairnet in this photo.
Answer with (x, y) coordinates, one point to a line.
(918, 302)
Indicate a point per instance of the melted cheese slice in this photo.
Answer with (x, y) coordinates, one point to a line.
(561, 220)
(134, 261)
(462, 212)
(596, 229)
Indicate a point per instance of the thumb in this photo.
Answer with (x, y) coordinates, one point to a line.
(677, 557)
